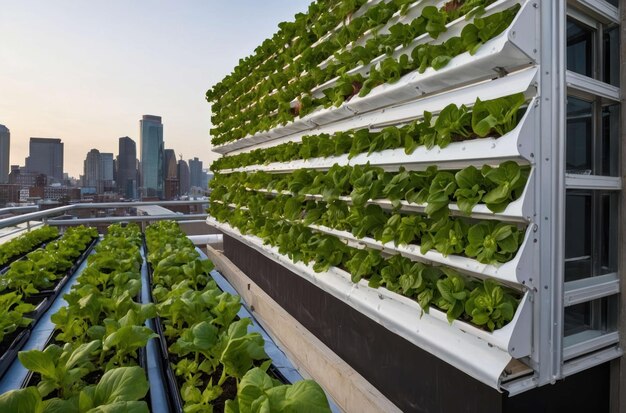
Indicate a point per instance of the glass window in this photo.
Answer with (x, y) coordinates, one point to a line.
(592, 146)
(577, 318)
(577, 235)
(608, 232)
(614, 2)
(579, 136)
(608, 153)
(597, 315)
(579, 48)
(610, 52)
(591, 233)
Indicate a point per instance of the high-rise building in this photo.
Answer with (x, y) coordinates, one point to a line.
(195, 172)
(5, 148)
(92, 177)
(107, 166)
(183, 176)
(170, 174)
(46, 157)
(106, 173)
(127, 168)
(151, 141)
(170, 169)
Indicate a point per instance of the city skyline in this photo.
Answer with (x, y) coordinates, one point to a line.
(103, 70)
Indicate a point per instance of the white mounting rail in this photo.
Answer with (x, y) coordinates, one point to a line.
(481, 354)
(454, 29)
(516, 145)
(515, 272)
(520, 210)
(523, 81)
(505, 53)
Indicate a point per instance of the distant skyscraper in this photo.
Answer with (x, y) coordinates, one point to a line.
(183, 177)
(170, 169)
(106, 160)
(106, 172)
(195, 172)
(151, 140)
(127, 168)
(93, 170)
(46, 157)
(170, 175)
(5, 148)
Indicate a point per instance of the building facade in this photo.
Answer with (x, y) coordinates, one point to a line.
(195, 172)
(151, 142)
(92, 177)
(46, 157)
(127, 168)
(183, 176)
(5, 150)
(107, 173)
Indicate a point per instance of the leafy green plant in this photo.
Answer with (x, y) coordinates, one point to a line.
(25, 243)
(441, 190)
(12, 311)
(453, 294)
(364, 263)
(471, 188)
(498, 116)
(510, 180)
(61, 369)
(122, 338)
(490, 305)
(493, 242)
(451, 123)
(42, 267)
(258, 392)
(119, 390)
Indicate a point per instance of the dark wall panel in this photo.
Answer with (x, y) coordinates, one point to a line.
(413, 379)
(587, 391)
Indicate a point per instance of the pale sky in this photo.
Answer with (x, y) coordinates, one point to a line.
(86, 71)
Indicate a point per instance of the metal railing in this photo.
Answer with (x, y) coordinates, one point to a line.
(48, 215)
(20, 210)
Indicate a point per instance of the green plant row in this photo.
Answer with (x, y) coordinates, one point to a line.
(390, 70)
(25, 243)
(493, 118)
(489, 242)
(92, 366)
(212, 350)
(306, 73)
(314, 43)
(41, 268)
(495, 187)
(291, 39)
(262, 81)
(485, 303)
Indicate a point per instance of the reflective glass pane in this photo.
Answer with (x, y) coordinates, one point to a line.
(608, 153)
(578, 235)
(579, 48)
(577, 319)
(611, 61)
(579, 136)
(608, 233)
(597, 315)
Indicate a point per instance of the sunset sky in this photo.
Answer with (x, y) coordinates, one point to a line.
(87, 71)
